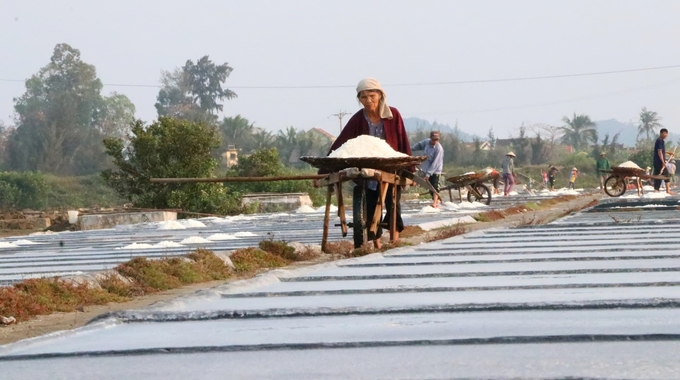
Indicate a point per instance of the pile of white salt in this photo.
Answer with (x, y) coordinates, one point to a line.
(366, 146)
(629, 164)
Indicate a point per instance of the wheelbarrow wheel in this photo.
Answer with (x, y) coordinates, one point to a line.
(360, 232)
(484, 194)
(614, 186)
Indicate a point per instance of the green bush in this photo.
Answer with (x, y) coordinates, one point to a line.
(75, 192)
(22, 189)
(168, 148)
(265, 163)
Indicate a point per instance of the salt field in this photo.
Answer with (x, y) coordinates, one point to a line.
(584, 296)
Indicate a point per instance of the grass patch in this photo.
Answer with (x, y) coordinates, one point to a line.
(249, 260)
(279, 248)
(533, 206)
(340, 247)
(45, 296)
(489, 216)
(141, 276)
(282, 249)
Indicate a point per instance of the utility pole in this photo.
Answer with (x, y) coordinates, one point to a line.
(340, 115)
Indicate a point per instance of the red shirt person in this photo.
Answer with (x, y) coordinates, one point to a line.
(379, 120)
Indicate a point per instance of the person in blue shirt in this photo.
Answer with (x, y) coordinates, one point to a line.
(660, 157)
(434, 164)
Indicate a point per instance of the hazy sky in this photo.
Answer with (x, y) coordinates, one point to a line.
(337, 43)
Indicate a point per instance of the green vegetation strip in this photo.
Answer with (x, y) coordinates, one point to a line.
(141, 276)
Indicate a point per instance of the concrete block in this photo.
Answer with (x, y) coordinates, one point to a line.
(467, 219)
(274, 202)
(97, 222)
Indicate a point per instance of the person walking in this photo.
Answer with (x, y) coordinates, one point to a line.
(603, 167)
(660, 158)
(544, 176)
(377, 119)
(432, 167)
(572, 177)
(508, 173)
(551, 177)
(671, 167)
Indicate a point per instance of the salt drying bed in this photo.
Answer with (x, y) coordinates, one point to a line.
(579, 298)
(69, 253)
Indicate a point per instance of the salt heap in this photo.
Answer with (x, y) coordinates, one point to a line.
(366, 146)
(430, 210)
(192, 223)
(629, 164)
(244, 234)
(171, 225)
(167, 244)
(217, 237)
(305, 210)
(195, 240)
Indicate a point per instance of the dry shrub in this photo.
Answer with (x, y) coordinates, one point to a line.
(340, 247)
(411, 231)
(489, 216)
(151, 275)
(281, 249)
(446, 232)
(253, 259)
(210, 266)
(515, 210)
(47, 295)
(113, 284)
(44, 296)
(307, 253)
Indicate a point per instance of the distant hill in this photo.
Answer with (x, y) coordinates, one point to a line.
(612, 127)
(412, 124)
(628, 132)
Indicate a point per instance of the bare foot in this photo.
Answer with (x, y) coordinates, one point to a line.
(377, 244)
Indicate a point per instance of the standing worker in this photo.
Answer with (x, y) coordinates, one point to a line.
(508, 170)
(572, 177)
(377, 119)
(544, 177)
(551, 177)
(671, 167)
(660, 158)
(603, 167)
(432, 167)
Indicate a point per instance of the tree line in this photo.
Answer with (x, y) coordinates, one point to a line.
(65, 125)
(545, 144)
(63, 116)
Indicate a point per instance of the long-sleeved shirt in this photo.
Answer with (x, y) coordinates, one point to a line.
(603, 164)
(508, 165)
(435, 157)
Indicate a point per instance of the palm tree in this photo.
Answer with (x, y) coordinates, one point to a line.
(578, 132)
(236, 127)
(262, 139)
(649, 123)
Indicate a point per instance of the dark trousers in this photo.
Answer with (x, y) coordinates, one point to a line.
(434, 181)
(372, 202)
(658, 167)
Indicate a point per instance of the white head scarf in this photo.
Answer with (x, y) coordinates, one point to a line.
(373, 84)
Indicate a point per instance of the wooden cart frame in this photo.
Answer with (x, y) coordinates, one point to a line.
(477, 191)
(333, 183)
(617, 183)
